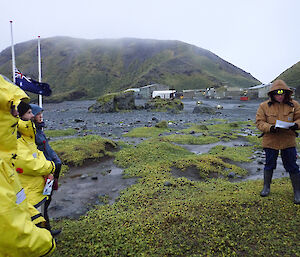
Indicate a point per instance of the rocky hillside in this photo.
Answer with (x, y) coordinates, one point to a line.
(106, 66)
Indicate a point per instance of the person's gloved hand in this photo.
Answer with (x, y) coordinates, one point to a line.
(294, 127)
(273, 129)
(55, 184)
(57, 170)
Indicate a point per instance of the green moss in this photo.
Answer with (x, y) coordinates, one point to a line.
(239, 154)
(209, 165)
(107, 97)
(190, 139)
(146, 132)
(60, 133)
(162, 215)
(162, 124)
(188, 219)
(160, 104)
(75, 151)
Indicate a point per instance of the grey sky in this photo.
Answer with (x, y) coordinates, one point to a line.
(259, 36)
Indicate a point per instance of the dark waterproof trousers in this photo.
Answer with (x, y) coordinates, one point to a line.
(288, 157)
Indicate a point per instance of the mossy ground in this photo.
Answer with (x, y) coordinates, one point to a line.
(76, 151)
(162, 215)
(61, 133)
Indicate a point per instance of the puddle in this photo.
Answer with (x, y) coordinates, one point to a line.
(200, 149)
(83, 187)
(255, 168)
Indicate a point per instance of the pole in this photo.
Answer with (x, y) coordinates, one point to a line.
(12, 53)
(40, 70)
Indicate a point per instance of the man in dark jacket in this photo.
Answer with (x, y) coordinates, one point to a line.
(280, 107)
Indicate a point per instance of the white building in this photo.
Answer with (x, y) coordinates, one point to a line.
(164, 94)
(262, 90)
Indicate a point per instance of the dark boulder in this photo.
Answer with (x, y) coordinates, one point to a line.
(114, 103)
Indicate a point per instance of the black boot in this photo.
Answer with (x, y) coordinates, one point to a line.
(295, 178)
(267, 182)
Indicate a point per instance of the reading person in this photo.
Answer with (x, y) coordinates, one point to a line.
(280, 106)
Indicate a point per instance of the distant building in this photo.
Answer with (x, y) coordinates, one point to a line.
(146, 91)
(164, 94)
(191, 93)
(135, 90)
(260, 90)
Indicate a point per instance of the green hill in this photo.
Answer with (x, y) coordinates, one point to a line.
(110, 65)
(292, 77)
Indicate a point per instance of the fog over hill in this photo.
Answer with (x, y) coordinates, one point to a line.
(101, 66)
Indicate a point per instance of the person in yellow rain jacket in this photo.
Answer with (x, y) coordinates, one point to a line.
(32, 165)
(19, 236)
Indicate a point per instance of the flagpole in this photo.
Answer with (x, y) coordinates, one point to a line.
(12, 52)
(40, 70)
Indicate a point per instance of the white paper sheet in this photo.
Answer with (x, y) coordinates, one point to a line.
(283, 124)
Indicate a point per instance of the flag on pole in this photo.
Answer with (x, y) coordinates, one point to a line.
(30, 85)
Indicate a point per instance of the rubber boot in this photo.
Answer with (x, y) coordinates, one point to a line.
(267, 183)
(295, 178)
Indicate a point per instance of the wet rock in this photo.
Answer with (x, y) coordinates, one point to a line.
(83, 176)
(204, 109)
(113, 103)
(231, 175)
(78, 120)
(94, 178)
(167, 183)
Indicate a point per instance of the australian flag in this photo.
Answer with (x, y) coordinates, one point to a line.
(30, 85)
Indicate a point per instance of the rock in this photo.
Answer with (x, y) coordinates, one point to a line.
(231, 175)
(204, 109)
(83, 176)
(167, 183)
(79, 120)
(114, 103)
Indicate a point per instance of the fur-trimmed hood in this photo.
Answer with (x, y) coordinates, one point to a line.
(279, 84)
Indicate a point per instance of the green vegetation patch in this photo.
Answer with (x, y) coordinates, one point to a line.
(209, 166)
(148, 152)
(75, 151)
(224, 131)
(223, 127)
(188, 219)
(255, 141)
(108, 97)
(162, 215)
(146, 132)
(190, 139)
(238, 154)
(61, 133)
(160, 104)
